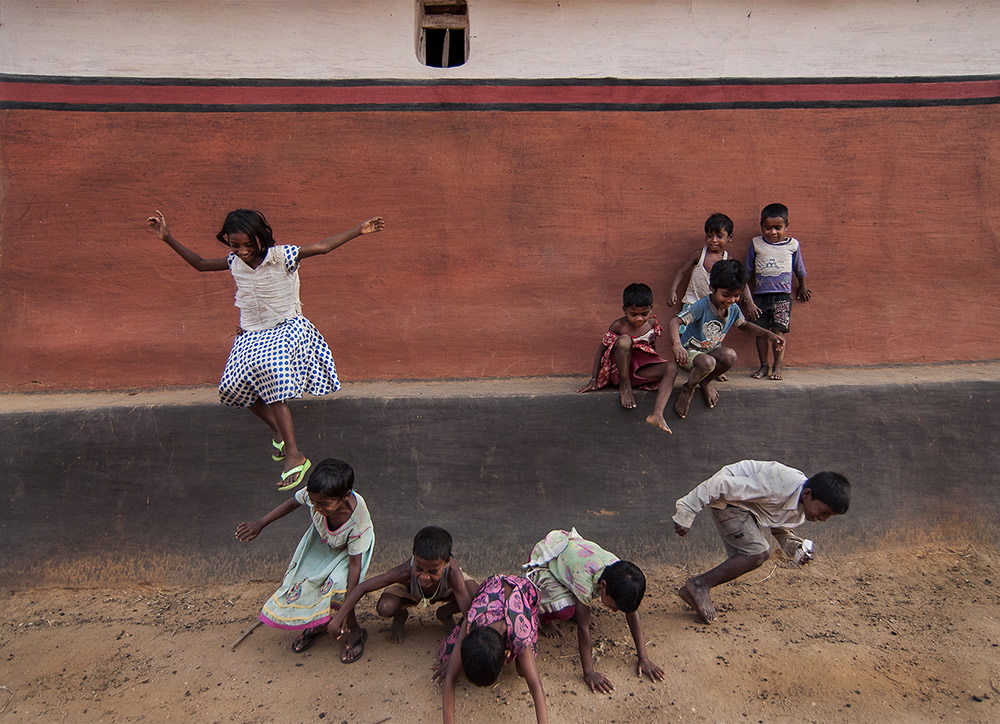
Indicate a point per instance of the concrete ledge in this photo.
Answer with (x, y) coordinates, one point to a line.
(151, 486)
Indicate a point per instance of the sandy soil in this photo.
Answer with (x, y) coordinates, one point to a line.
(903, 634)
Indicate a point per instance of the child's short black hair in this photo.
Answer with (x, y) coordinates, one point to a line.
(637, 295)
(718, 222)
(728, 274)
(331, 478)
(432, 544)
(832, 489)
(773, 211)
(249, 222)
(483, 655)
(626, 585)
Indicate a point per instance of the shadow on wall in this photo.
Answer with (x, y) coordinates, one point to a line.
(155, 493)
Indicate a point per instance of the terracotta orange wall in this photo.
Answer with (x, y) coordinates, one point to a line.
(510, 234)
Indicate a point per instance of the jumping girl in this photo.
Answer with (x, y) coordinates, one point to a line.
(278, 354)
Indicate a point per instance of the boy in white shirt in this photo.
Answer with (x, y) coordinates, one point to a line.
(746, 500)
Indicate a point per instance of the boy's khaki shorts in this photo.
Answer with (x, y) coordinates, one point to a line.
(740, 531)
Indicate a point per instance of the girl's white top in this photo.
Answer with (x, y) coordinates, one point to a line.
(269, 294)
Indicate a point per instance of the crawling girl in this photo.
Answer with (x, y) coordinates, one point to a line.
(278, 354)
(330, 560)
(501, 626)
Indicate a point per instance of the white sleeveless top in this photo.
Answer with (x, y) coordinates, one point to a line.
(269, 294)
(699, 287)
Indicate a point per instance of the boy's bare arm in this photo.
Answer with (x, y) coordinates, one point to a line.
(750, 310)
(688, 265)
(804, 293)
(399, 574)
(673, 331)
(456, 581)
(645, 666)
(756, 331)
(596, 681)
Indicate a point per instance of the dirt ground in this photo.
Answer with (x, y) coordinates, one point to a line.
(903, 634)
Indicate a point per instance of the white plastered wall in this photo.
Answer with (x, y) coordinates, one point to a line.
(344, 39)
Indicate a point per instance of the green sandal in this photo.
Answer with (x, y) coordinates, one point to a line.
(279, 451)
(292, 478)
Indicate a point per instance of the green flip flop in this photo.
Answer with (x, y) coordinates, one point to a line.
(279, 451)
(292, 478)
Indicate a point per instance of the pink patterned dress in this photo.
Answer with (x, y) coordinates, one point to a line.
(643, 353)
(492, 604)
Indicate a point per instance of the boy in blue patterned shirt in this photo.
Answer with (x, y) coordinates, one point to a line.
(699, 348)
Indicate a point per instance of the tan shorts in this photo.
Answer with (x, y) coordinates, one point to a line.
(740, 531)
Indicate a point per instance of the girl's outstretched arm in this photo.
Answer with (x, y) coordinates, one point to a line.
(530, 673)
(372, 226)
(449, 677)
(159, 225)
(248, 531)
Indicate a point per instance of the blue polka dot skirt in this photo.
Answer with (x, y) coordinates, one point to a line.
(276, 364)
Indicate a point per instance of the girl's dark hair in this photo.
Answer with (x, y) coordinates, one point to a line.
(432, 544)
(249, 222)
(637, 294)
(625, 584)
(331, 478)
(483, 655)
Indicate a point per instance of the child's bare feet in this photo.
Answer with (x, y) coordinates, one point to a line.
(656, 420)
(698, 599)
(550, 630)
(776, 373)
(722, 378)
(710, 394)
(396, 634)
(683, 403)
(761, 372)
(627, 398)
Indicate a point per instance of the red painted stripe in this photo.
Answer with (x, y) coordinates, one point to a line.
(497, 94)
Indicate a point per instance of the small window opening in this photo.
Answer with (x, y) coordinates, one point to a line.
(443, 33)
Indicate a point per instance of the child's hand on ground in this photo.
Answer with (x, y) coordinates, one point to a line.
(648, 668)
(439, 670)
(159, 225)
(372, 226)
(590, 386)
(246, 532)
(680, 530)
(804, 294)
(599, 682)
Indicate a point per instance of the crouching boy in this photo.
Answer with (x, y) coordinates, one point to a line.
(747, 499)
